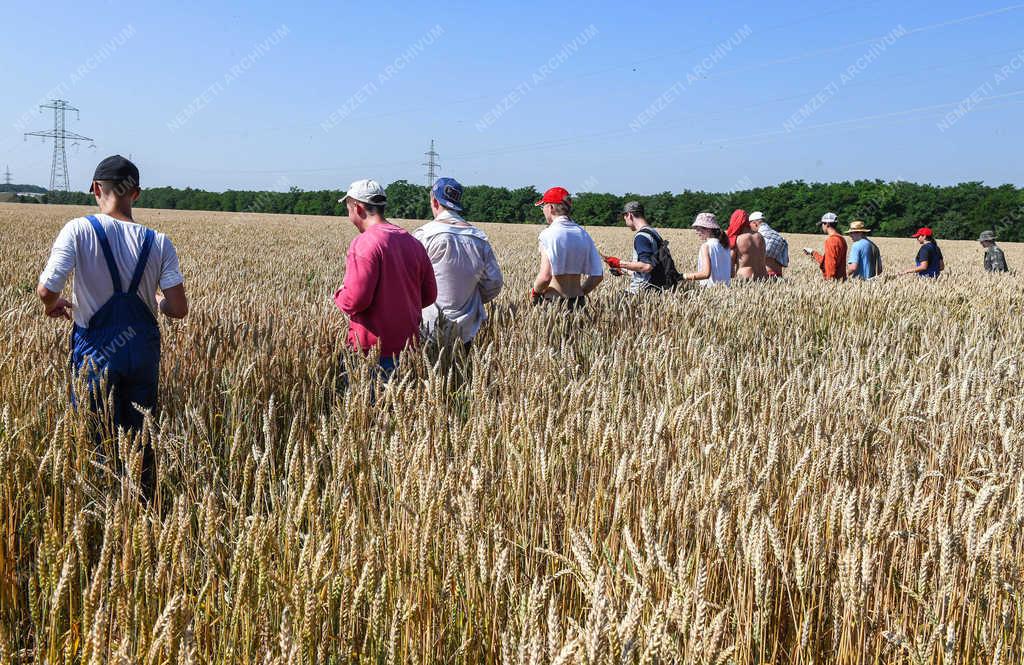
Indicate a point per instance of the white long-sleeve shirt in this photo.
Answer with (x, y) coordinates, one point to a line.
(77, 250)
(467, 273)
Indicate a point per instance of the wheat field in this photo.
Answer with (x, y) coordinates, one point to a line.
(789, 473)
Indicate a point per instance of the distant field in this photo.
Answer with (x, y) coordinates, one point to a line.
(794, 472)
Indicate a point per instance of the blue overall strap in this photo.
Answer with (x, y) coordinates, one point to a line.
(140, 268)
(107, 254)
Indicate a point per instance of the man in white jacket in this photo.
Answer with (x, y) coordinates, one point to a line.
(467, 272)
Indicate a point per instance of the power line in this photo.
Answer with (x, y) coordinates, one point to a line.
(432, 166)
(717, 73)
(59, 134)
(700, 145)
(7, 175)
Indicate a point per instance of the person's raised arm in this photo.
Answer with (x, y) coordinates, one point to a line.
(818, 257)
(645, 249)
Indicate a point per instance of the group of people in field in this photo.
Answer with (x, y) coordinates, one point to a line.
(750, 249)
(398, 287)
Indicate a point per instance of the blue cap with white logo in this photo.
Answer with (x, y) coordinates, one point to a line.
(448, 193)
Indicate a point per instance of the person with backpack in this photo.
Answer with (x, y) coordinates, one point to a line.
(124, 275)
(865, 260)
(652, 266)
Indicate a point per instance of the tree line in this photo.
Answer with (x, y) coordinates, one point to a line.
(890, 208)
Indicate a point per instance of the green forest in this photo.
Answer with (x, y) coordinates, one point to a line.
(891, 208)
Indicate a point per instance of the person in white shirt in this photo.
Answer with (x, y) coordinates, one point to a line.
(119, 266)
(570, 265)
(714, 262)
(467, 272)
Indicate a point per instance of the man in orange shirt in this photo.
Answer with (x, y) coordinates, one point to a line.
(833, 261)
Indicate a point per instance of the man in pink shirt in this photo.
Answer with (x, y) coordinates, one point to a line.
(388, 279)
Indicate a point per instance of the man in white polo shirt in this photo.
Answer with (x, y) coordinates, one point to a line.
(570, 265)
(118, 265)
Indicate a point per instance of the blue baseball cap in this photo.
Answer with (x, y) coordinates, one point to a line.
(448, 193)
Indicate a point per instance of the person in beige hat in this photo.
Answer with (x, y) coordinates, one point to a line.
(714, 262)
(865, 260)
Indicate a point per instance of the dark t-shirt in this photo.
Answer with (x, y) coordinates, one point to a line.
(645, 250)
(931, 253)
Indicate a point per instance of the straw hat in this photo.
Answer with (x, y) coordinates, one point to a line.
(857, 226)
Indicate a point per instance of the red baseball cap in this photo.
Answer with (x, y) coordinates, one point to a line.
(554, 195)
(923, 232)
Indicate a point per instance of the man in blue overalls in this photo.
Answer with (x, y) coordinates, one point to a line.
(119, 266)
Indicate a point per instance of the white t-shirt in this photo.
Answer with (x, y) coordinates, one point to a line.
(721, 263)
(77, 250)
(570, 249)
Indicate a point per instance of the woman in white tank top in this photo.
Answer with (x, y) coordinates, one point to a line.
(714, 262)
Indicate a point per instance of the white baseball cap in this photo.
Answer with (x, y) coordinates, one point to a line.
(366, 191)
(829, 218)
(756, 216)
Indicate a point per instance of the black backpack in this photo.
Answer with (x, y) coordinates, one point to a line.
(664, 275)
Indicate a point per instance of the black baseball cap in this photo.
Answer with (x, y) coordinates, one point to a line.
(116, 169)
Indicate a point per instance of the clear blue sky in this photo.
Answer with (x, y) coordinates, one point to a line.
(719, 127)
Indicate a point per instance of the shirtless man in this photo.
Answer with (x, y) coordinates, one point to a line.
(748, 257)
(570, 265)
